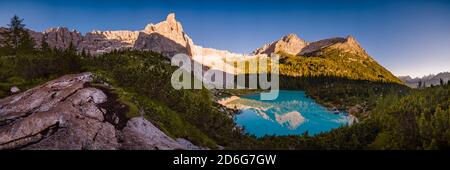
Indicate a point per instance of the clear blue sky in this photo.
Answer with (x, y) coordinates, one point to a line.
(408, 37)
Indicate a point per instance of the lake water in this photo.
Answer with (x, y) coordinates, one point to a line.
(291, 113)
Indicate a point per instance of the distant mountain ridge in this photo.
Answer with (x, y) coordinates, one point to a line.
(166, 37)
(432, 79)
(339, 56)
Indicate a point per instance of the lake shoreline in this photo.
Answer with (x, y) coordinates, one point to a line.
(299, 113)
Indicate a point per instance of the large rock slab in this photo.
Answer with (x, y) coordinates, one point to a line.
(61, 114)
(67, 113)
(141, 134)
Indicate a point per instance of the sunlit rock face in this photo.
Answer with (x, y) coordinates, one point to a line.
(166, 37)
(61, 38)
(98, 42)
(290, 44)
(348, 44)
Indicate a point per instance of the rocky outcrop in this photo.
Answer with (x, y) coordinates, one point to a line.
(171, 29)
(188, 145)
(98, 42)
(290, 44)
(67, 113)
(141, 134)
(348, 44)
(159, 43)
(61, 37)
(14, 90)
(61, 114)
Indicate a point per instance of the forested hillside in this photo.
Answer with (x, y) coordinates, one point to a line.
(331, 62)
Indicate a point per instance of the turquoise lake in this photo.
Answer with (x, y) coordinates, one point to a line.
(291, 113)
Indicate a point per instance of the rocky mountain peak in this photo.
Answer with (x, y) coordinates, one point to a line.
(166, 37)
(171, 18)
(57, 29)
(60, 37)
(353, 44)
(170, 25)
(290, 43)
(351, 39)
(291, 37)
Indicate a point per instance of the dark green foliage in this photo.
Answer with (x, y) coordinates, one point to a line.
(23, 66)
(342, 93)
(44, 45)
(36, 68)
(420, 120)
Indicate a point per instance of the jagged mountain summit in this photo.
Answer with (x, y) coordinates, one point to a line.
(290, 44)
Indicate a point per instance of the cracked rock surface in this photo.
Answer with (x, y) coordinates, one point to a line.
(65, 114)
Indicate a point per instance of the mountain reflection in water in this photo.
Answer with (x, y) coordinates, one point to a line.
(291, 113)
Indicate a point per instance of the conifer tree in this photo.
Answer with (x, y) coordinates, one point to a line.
(17, 37)
(44, 45)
